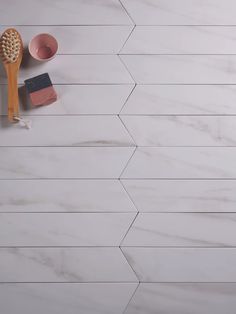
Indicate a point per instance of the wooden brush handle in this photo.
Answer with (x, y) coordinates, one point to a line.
(13, 99)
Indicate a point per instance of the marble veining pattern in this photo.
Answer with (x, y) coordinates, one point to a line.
(121, 198)
(184, 298)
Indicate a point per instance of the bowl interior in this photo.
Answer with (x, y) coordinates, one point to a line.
(43, 47)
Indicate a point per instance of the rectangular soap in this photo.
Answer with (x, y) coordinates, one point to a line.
(40, 90)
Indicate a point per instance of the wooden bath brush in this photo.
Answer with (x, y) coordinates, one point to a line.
(11, 51)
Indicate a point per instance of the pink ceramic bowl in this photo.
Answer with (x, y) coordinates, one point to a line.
(43, 47)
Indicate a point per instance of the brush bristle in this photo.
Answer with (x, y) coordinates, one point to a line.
(10, 45)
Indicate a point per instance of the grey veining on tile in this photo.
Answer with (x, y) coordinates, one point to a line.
(64, 265)
(66, 131)
(181, 40)
(76, 69)
(182, 131)
(182, 195)
(74, 100)
(121, 197)
(54, 298)
(181, 12)
(182, 264)
(184, 298)
(182, 162)
(63, 162)
(181, 99)
(63, 229)
(49, 196)
(71, 12)
(80, 39)
(182, 229)
(182, 69)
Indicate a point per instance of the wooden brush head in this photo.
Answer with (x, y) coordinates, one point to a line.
(10, 46)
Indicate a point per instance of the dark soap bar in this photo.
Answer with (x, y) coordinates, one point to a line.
(38, 82)
(40, 89)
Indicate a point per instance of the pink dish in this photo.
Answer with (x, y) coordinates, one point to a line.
(43, 47)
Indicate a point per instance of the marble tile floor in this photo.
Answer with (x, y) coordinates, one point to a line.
(121, 198)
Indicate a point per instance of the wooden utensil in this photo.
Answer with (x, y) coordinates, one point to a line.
(11, 52)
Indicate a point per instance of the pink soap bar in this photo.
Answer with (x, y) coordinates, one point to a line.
(43, 96)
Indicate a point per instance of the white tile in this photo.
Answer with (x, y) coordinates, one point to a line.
(182, 162)
(63, 162)
(182, 69)
(54, 298)
(182, 130)
(66, 131)
(49, 196)
(75, 69)
(80, 39)
(182, 99)
(64, 265)
(181, 12)
(182, 229)
(72, 12)
(184, 298)
(182, 195)
(74, 229)
(74, 99)
(181, 40)
(182, 264)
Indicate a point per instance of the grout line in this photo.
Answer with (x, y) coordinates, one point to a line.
(131, 92)
(119, 212)
(128, 37)
(122, 240)
(176, 178)
(127, 69)
(115, 146)
(115, 178)
(67, 25)
(78, 146)
(59, 246)
(178, 247)
(179, 179)
(173, 54)
(124, 24)
(24, 114)
(142, 247)
(77, 212)
(178, 114)
(132, 296)
(182, 248)
(131, 83)
(129, 15)
(129, 196)
(67, 282)
(183, 84)
(128, 162)
(187, 213)
(183, 25)
(116, 282)
(140, 54)
(124, 125)
(91, 83)
(188, 282)
(134, 272)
